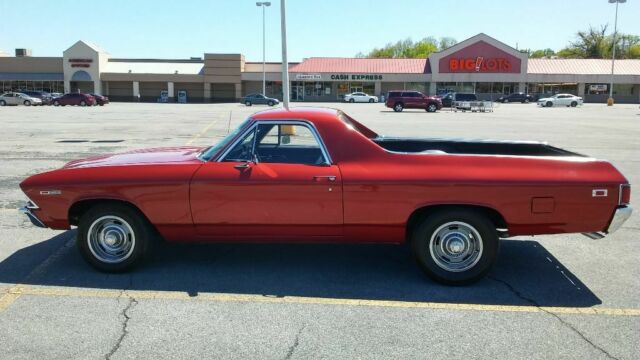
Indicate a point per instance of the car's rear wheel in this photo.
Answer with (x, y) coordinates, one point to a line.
(27, 103)
(83, 103)
(455, 247)
(574, 103)
(398, 107)
(113, 237)
(431, 108)
(247, 103)
(56, 103)
(549, 104)
(271, 103)
(526, 101)
(3, 103)
(505, 101)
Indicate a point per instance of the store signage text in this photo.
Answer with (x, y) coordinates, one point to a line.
(598, 87)
(479, 64)
(80, 62)
(308, 77)
(356, 77)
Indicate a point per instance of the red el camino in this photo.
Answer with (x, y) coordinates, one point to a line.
(318, 175)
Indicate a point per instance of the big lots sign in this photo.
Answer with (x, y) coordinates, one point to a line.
(480, 57)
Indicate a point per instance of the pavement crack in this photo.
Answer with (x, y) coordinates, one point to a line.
(124, 327)
(556, 316)
(296, 343)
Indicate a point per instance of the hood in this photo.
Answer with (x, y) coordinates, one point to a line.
(139, 157)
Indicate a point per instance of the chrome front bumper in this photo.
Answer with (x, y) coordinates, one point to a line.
(27, 210)
(621, 215)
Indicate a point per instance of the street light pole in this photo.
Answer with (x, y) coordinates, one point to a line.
(285, 63)
(613, 57)
(263, 5)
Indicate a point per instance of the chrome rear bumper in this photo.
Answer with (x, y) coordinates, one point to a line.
(621, 215)
(27, 210)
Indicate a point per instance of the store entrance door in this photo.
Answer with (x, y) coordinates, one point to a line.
(297, 93)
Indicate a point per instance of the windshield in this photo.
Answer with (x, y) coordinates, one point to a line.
(211, 151)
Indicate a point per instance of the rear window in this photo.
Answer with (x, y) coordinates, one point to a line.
(357, 126)
(394, 93)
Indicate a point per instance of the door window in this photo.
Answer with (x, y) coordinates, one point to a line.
(288, 144)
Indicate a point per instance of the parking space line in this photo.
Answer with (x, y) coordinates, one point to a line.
(10, 296)
(198, 135)
(221, 297)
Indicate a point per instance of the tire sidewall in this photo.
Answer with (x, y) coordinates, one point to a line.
(139, 225)
(432, 108)
(247, 103)
(422, 236)
(398, 107)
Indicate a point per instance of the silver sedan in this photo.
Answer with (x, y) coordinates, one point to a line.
(16, 98)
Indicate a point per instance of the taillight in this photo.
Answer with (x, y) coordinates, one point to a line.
(625, 194)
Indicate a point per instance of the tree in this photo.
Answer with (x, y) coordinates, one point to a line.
(542, 53)
(409, 49)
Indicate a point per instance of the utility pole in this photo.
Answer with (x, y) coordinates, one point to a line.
(285, 63)
(263, 5)
(613, 57)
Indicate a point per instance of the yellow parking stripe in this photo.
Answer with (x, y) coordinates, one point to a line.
(16, 291)
(198, 135)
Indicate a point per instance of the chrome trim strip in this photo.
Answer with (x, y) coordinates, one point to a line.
(34, 219)
(594, 235)
(309, 125)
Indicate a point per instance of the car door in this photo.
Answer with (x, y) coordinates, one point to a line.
(275, 182)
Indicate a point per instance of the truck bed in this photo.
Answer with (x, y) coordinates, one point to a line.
(472, 147)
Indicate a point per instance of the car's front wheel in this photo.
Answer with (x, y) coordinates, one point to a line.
(247, 103)
(432, 108)
(398, 107)
(27, 103)
(549, 104)
(371, 101)
(352, 100)
(113, 237)
(574, 103)
(526, 101)
(271, 103)
(56, 103)
(83, 103)
(456, 246)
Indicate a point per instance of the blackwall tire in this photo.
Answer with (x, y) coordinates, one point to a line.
(113, 238)
(574, 104)
(3, 103)
(455, 247)
(431, 108)
(371, 101)
(549, 104)
(247, 103)
(27, 103)
(398, 107)
(270, 103)
(352, 100)
(82, 103)
(56, 103)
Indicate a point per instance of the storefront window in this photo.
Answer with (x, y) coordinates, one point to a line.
(445, 87)
(417, 86)
(483, 88)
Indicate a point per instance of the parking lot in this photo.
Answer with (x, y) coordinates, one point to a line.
(561, 296)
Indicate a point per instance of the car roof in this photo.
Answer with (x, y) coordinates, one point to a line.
(317, 114)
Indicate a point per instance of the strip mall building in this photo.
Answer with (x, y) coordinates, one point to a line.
(480, 64)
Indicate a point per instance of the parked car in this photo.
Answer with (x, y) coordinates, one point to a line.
(561, 100)
(75, 99)
(360, 97)
(259, 99)
(313, 174)
(399, 100)
(17, 98)
(449, 98)
(42, 95)
(516, 97)
(100, 99)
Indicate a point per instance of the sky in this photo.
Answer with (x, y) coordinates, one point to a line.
(186, 28)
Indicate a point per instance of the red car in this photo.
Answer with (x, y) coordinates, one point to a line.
(100, 99)
(75, 99)
(399, 100)
(324, 177)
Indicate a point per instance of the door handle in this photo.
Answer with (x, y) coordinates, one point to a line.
(244, 165)
(329, 178)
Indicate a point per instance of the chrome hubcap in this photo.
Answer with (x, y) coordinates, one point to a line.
(111, 239)
(456, 246)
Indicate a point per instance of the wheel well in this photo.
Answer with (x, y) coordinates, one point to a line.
(494, 216)
(81, 207)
